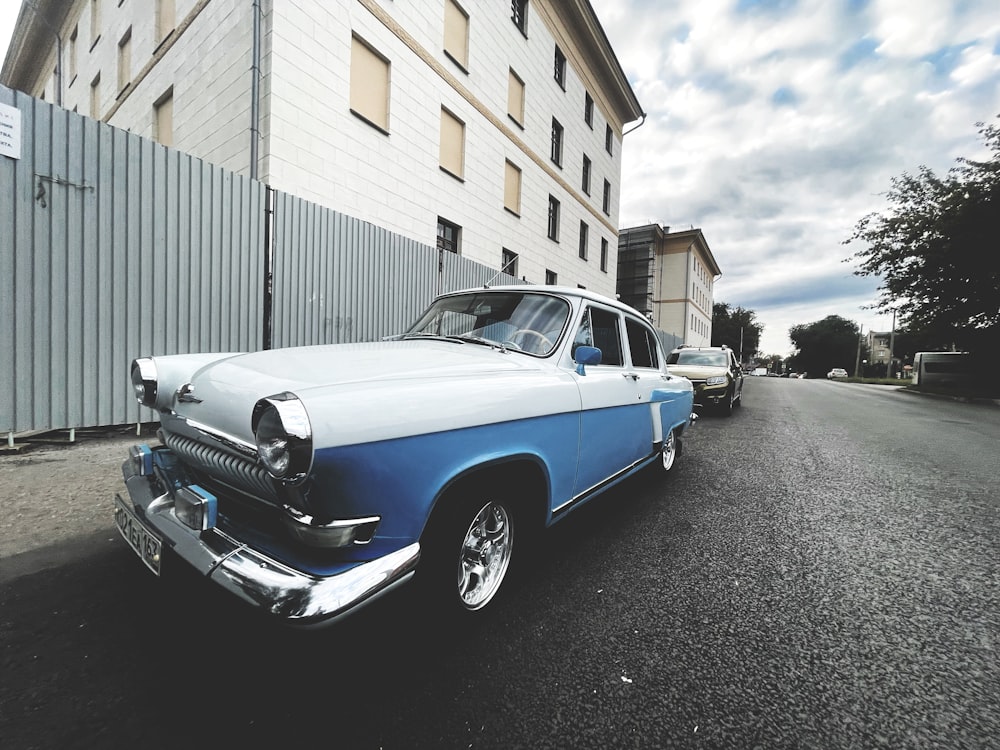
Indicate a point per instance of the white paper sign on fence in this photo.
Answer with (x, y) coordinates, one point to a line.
(10, 131)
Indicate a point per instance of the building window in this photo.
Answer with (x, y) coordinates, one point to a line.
(515, 98)
(588, 109)
(609, 140)
(559, 68)
(604, 255)
(95, 97)
(95, 22)
(519, 15)
(72, 56)
(452, 144)
(163, 118)
(585, 182)
(166, 19)
(456, 34)
(606, 201)
(512, 188)
(553, 232)
(369, 85)
(125, 60)
(551, 277)
(584, 239)
(509, 261)
(557, 142)
(449, 236)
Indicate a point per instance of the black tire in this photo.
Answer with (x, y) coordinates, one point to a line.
(669, 453)
(467, 555)
(727, 405)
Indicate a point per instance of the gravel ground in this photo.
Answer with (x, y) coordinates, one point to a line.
(53, 490)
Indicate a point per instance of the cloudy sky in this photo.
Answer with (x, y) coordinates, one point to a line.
(774, 125)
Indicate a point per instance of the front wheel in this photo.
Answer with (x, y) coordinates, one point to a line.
(484, 559)
(467, 554)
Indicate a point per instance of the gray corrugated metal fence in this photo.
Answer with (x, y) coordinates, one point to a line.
(341, 280)
(111, 247)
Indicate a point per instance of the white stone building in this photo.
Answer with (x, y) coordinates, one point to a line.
(492, 129)
(669, 276)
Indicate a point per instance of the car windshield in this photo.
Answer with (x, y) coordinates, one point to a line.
(701, 359)
(522, 321)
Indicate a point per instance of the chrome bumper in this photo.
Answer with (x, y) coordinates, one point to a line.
(301, 599)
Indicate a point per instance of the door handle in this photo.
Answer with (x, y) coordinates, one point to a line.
(633, 375)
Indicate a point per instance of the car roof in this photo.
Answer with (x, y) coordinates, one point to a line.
(561, 291)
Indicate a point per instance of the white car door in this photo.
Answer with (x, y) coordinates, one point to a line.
(615, 421)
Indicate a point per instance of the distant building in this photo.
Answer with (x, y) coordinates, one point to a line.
(669, 277)
(878, 347)
(493, 130)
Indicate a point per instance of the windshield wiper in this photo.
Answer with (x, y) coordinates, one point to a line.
(469, 338)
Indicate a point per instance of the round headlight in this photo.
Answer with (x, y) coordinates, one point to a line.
(144, 381)
(284, 436)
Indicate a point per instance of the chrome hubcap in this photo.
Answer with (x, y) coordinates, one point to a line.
(669, 452)
(485, 556)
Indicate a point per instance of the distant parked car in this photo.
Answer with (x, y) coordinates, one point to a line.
(837, 372)
(308, 481)
(715, 373)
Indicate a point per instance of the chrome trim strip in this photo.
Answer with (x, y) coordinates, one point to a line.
(229, 440)
(602, 484)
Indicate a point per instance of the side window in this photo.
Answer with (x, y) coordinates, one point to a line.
(642, 344)
(601, 328)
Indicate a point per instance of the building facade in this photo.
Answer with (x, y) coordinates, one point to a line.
(670, 277)
(492, 130)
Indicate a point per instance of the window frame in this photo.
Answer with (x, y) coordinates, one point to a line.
(444, 244)
(558, 137)
(519, 15)
(559, 67)
(464, 52)
(553, 225)
(355, 104)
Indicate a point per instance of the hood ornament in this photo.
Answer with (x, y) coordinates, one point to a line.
(185, 394)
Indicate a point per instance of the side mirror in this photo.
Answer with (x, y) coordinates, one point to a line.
(586, 355)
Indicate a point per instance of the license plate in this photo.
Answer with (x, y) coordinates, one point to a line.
(145, 543)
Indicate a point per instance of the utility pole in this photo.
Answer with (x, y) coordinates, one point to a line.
(857, 360)
(892, 338)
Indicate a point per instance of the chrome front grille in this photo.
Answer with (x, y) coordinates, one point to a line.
(232, 470)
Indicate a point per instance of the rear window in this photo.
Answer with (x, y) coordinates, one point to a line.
(698, 358)
(642, 344)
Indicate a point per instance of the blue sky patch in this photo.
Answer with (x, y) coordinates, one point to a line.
(860, 51)
(765, 6)
(946, 59)
(784, 97)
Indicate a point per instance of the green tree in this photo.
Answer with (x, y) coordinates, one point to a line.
(736, 328)
(825, 344)
(936, 251)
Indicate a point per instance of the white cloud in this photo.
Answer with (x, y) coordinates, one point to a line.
(776, 131)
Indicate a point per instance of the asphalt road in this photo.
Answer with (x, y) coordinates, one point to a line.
(820, 572)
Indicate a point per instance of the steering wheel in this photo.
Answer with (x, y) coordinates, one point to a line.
(543, 339)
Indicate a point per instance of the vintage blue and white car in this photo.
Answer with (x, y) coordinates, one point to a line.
(308, 481)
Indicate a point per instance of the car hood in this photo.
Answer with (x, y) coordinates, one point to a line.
(363, 386)
(696, 372)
